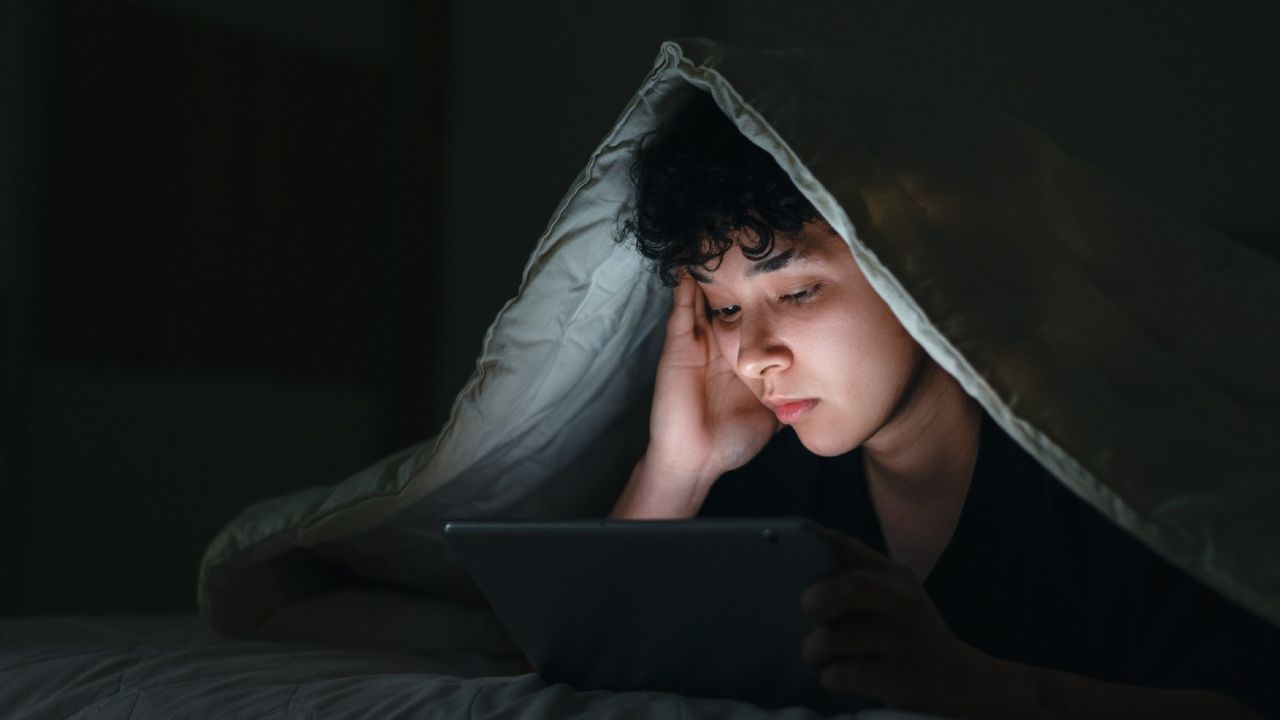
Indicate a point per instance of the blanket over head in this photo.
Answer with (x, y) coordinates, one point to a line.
(1133, 354)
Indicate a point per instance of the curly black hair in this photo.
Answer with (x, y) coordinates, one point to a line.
(697, 179)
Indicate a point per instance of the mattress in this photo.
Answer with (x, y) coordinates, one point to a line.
(144, 667)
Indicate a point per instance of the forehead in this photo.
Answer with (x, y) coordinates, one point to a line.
(815, 243)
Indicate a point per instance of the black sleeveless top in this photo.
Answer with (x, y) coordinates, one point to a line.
(1035, 575)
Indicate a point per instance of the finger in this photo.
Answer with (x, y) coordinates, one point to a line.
(683, 309)
(862, 675)
(701, 323)
(706, 329)
(849, 591)
(853, 634)
(851, 553)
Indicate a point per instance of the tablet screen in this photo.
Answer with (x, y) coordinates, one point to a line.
(707, 607)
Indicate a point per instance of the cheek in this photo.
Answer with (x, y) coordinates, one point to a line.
(859, 356)
(836, 346)
(727, 342)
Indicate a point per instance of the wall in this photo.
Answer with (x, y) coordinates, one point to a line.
(216, 276)
(22, 28)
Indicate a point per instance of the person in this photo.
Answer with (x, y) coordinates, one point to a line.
(973, 583)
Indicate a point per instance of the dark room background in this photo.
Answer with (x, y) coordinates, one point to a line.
(247, 248)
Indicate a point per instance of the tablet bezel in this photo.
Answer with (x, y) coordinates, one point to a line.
(705, 607)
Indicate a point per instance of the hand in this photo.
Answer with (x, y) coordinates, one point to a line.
(705, 421)
(879, 635)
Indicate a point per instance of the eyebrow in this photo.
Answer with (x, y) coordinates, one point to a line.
(768, 265)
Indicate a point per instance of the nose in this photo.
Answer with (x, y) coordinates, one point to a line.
(760, 350)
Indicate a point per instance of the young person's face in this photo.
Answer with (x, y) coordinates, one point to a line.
(807, 334)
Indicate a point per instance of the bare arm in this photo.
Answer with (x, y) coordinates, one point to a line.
(653, 494)
(704, 420)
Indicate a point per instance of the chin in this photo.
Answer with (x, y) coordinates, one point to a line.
(826, 444)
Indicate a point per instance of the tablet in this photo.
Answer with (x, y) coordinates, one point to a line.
(707, 607)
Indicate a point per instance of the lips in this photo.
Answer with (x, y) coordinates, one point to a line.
(787, 410)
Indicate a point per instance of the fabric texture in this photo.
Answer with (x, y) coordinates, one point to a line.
(162, 668)
(1131, 354)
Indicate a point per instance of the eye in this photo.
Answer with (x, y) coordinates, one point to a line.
(802, 296)
(724, 314)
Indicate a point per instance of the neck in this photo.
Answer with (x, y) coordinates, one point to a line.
(930, 443)
(919, 466)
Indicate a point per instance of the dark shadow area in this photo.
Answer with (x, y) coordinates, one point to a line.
(222, 306)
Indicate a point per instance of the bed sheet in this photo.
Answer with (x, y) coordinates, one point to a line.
(173, 667)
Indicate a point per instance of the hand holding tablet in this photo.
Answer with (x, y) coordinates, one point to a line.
(878, 634)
